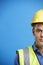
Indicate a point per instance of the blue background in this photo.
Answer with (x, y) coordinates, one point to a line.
(15, 29)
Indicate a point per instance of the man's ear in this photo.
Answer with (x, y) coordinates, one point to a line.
(33, 31)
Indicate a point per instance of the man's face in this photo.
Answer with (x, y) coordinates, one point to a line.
(38, 34)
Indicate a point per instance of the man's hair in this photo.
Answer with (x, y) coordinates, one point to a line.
(34, 26)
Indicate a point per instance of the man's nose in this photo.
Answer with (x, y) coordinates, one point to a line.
(41, 34)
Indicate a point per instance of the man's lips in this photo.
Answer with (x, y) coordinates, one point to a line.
(41, 40)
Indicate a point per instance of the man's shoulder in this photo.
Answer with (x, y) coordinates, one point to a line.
(21, 49)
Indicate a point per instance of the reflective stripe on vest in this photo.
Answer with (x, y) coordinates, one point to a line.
(27, 56)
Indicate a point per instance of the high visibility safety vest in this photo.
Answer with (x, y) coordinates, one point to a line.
(27, 56)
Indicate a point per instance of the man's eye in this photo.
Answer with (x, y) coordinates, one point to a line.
(38, 30)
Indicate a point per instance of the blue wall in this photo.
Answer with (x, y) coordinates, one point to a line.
(15, 29)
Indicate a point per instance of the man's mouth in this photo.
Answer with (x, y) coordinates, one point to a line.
(41, 40)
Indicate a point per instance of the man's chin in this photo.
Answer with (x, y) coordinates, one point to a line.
(41, 44)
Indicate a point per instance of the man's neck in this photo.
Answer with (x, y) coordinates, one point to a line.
(41, 50)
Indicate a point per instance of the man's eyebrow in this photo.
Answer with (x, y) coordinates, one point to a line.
(39, 29)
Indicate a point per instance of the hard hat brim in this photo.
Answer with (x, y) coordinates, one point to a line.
(32, 24)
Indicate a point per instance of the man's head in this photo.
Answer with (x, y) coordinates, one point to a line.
(37, 24)
(38, 34)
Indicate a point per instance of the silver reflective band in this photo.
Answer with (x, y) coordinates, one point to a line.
(26, 56)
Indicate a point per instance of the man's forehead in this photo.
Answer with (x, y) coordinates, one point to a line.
(40, 26)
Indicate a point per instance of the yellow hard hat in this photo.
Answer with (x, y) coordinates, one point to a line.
(38, 17)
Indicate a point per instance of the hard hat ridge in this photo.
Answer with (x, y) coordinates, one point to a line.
(38, 17)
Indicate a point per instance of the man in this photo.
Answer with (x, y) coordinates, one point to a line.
(33, 55)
